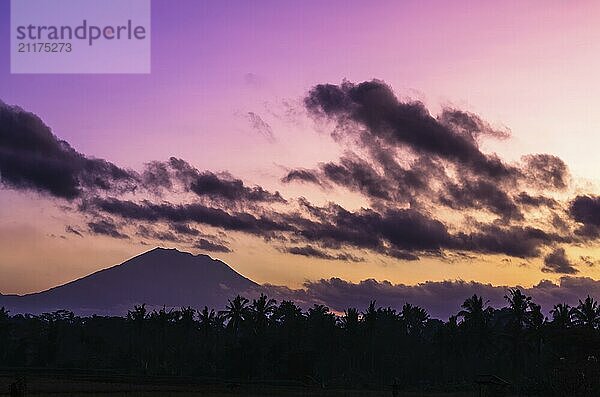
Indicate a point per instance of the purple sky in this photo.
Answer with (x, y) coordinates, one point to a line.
(493, 58)
(530, 67)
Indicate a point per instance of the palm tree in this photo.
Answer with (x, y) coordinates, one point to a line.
(138, 338)
(536, 323)
(286, 312)
(447, 341)
(476, 315)
(163, 316)
(321, 332)
(369, 317)
(138, 314)
(207, 319)
(535, 319)
(562, 327)
(562, 315)
(4, 331)
(474, 311)
(261, 310)
(320, 313)
(349, 321)
(319, 318)
(587, 313)
(518, 307)
(414, 318)
(187, 327)
(160, 322)
(289, 323)
(236, 312)
(452, 323)
(3, 314)
(186, 316)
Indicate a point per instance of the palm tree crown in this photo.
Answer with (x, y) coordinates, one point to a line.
(562, 315)
(475, 311)
(236, 312)
(587, 313)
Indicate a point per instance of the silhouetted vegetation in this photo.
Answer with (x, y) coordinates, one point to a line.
(262, 340)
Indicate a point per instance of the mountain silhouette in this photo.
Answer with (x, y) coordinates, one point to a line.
(160, 277)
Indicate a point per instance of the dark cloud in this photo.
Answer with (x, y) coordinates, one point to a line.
(588, 260)
(373, 106)
(182, 213)
(470, 124)
(449, 169)
(481, 194)
(441, 298)
(73, 230)
(588, 232)
(210, 246)
(546, 171)
(400, 233)
(107, 228)
(586, 210)
(180, 233)
(150, 232)
(261, 126)
(302, 176)
(358, 175)
(400, 254)
(209, 184)
(32, 157)
(184, 229)
(401, 229)
(313, 252)
(405, 233)
(557, 262)
(526, 199)
(382, 180)
(516, 241)
(156, 176)
(164, 175)
(430, 190)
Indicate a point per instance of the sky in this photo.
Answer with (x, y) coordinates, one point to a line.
(405, 141)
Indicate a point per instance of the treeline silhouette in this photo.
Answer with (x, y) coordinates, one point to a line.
(262, 340)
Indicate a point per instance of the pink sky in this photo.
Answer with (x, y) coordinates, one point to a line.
(527, 66)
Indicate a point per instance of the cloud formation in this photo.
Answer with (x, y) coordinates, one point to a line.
(441, 298)
(176, 172)
(210, 246)
(107, 228)
(374, 107)
(407, 157)
(558, 262)
(310, 251)
(33, 158)
(261, 126)
(585, 209)
(431, 190)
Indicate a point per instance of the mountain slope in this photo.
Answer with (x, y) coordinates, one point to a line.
(157, 277)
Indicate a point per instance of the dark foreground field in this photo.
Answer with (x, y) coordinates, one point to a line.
(86, 385)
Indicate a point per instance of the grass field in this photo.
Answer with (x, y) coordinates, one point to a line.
(63, 385)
